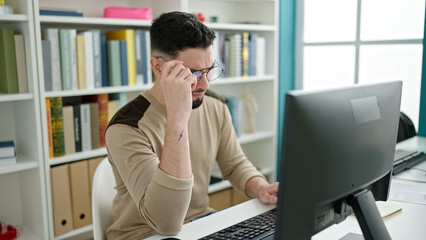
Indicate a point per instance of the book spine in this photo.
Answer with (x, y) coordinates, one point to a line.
(52, 34)
(73, 51)
(245, 54)
(8, 71)
(252, 54)
(86, 132)
(148, 58)
(138, 57)
(81, 62)
(103, 117)
(57, 127)
(47, 65)
(65, 53)
(114, 62)
(94, 125)
(69, 138)
(77, 127)
(88, 44)
(49, 127)
(97, 64)
(124, 64)
(104, 62)
(21, 65)
(260, 56)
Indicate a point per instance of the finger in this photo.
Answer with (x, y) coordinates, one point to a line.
(168, 67)
(178, 72)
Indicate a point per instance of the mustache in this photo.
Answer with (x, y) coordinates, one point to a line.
(198, 91)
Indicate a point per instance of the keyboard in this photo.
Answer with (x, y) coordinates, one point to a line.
(405, 159)
(257, 227)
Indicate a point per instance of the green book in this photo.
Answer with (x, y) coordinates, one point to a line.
(114, 63)
(65, 50)
(57, 127)
(8, 72)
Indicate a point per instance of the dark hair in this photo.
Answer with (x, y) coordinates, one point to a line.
(176, 31)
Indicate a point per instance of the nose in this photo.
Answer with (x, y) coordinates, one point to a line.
(203, 82)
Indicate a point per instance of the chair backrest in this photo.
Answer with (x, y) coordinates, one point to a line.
(103, 193)
(406, 128)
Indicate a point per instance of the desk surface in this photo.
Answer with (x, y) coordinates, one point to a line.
(406, 224)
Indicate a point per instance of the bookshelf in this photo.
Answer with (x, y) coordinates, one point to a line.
(28, 195)
(22, 186)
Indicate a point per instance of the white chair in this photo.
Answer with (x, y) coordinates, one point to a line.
(103, 193)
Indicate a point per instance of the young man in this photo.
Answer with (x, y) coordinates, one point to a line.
(162, 145)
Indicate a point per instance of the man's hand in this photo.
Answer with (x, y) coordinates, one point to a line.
(260, 188)
(177, 83)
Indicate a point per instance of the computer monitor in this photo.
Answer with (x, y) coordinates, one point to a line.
(337, 156)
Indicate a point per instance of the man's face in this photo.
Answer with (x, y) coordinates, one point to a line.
(198, 59)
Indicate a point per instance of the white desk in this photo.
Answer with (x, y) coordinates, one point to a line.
(408, 224)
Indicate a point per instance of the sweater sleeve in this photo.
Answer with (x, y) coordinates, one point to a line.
(162, 200)
(231, 159)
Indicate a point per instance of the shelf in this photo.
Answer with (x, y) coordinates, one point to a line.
(78, 156)
(233, 80)
(241, 27)
(76, 232)
(16, 97)
(254, 137)
(13, 18)
(95, 21)
(84, 92)
(26, 233)
(22, 163)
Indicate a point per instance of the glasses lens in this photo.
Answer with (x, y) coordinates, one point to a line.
(198, 74)
(214, 73)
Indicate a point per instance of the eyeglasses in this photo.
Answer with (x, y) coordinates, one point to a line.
(212, 73)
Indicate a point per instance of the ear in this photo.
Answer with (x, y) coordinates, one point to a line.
(156, 67)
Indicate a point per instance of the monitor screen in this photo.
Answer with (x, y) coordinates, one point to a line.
(337, 157)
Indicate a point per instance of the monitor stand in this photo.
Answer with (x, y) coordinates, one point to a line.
(368, 216)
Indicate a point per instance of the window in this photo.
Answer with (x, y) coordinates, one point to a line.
(344, 42)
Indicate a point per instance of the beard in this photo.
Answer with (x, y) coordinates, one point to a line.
(197, 102)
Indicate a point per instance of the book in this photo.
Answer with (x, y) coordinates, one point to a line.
(113, 106)
(236, 55)
(81, 61)
(52, 34)
(101, 101)
(47, 65)
(97, 64)
(67, 50)
(69, 136)
(252, 54)
(139, 57)
(77, 127)
(146, 55)
(88, 47)
(260, 56)
(8, 71)
(129, 36)
(94, 125)
(8, 161)
(21, 63)
(86, 132)
(57, 127)
(245, 54)
(123, 62)
(7, 149)
(233, 104)
(64, 13)
(49, 127)
(104, 61)
(114, 63)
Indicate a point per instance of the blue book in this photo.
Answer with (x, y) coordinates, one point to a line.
(60, 13)
(104, 62)
(123, 57)
(145, 56)
(7, 149)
